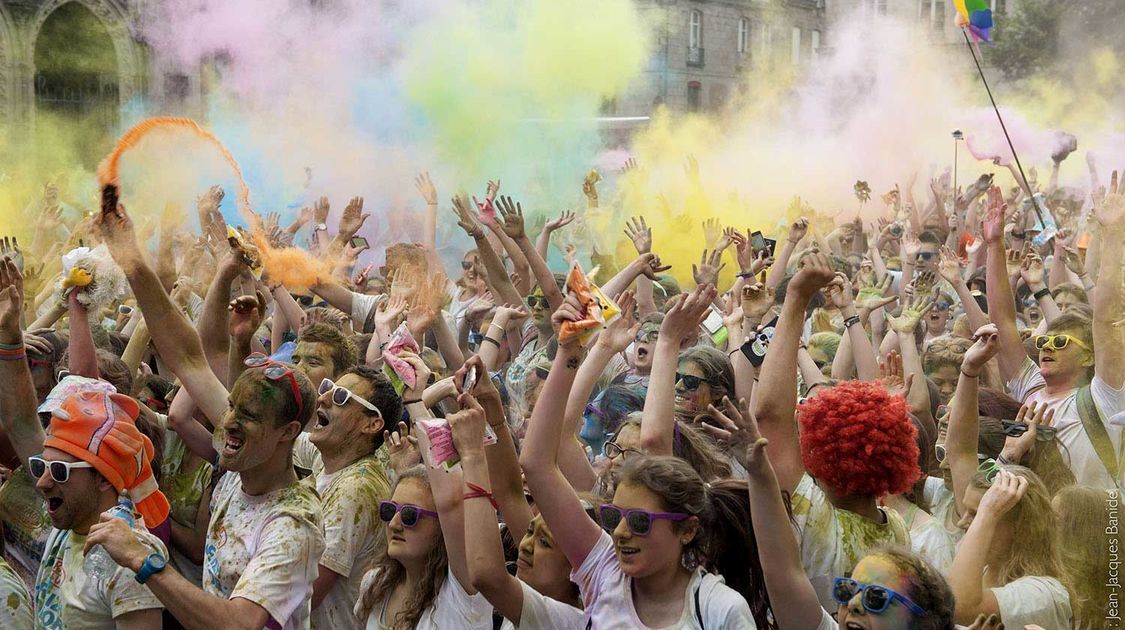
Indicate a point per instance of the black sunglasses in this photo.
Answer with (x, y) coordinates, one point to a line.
(926, 255)
(691, 383)
(466, 265)
(533, 300)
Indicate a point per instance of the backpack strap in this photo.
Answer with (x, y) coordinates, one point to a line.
(698, 610)
(1094, 427)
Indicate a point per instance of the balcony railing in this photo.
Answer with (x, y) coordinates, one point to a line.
(695, 56)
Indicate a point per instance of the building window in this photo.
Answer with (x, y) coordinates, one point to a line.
(938, 22)
(796, 54)
(767, 41)
(743, 36)
(999, 7)
(694, 96)
(695, 32)
(814, 45)
(881, 7)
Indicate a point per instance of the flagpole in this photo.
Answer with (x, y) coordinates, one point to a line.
(1003, 127)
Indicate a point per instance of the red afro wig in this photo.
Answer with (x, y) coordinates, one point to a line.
(858, 440)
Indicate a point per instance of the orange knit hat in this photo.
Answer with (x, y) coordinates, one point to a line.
(101, 429)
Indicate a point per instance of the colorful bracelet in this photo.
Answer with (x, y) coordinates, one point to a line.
(851, 321)
(490, 339)
(11, 346)
(13, 357)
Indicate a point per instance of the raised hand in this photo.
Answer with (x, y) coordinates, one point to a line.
(924, 283)
(353, 218)
(893, 377)
(707, 272)
(1073, 261)
(712, 232)
(640, 233)
(1034, 415)
(687, 313)
(426, 188)
(320, 210)
(1006, 491)
(910, 247)
(480, 307)
(1031, 270)
(11, 300)
(465, 217)
(986, 345)
(359, 281)
(907, 321)
(814, 273)
(731, 424)
(570, 311)
(492, 189)
(402, 448)
(389, 314)
(116, 230)
(512, 215)
(873, 295)
(1112, 208)
(691, 169)
(619, 333)
(650, 266)
(590, 185)
(245, 316)
(798, 230)
(630, 166)
(10, 247)
(208, 203)
(565, 218)
(840, 291)
(757, 300)
(949, 265)
(993, 225)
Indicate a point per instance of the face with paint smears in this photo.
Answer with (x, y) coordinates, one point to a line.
(251, 431)
(74, 504)
(875, 569)
(315, 360)
(690, 400)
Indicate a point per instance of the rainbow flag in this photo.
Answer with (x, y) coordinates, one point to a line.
(976, 16)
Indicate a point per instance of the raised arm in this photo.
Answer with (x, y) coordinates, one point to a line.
(681, 321)
(175, 339)
(17, 396)
(575, 533)
(866, 364)
(513, 226)
(777, 388)
(962, 434)
(792, 596)
(1108, 299)
(484, 552)
(1001, 298)
(951, 269)
(498, 277)
(83, 355)
(543, 242)
(797, 231)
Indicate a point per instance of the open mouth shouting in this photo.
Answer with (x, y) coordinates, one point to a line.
(54, 504)
(233, 443)
(321, 419)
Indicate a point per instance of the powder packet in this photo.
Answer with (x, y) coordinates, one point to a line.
(442, 450)
(597, 309)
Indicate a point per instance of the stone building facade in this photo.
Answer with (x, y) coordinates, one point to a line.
(706, 51)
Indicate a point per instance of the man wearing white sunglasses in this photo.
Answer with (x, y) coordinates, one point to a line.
(347, 428)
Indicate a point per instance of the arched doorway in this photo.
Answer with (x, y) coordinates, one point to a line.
(76, 86)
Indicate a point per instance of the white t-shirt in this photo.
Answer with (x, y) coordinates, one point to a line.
(540, 612)
(452, 608)
(834, 540)
(1032, 599)
(65, 597)
(826, 621)
(351, 524)
(15, 602)
(608, 598)
(1074, 444)
(937, 540)
(306, 456)
(264, 549)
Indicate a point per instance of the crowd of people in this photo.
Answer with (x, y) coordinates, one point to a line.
(914, 423)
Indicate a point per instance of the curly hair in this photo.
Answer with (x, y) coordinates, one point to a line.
(858, 439)
(390, 571)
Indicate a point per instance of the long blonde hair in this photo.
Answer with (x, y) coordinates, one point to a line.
(391, 571)
(1083, 513)
(1034, 531)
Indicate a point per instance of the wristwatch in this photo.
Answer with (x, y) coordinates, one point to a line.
(320, 227)
(154, 564)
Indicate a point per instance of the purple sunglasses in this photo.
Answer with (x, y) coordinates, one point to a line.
(638, 521)
(410, 513)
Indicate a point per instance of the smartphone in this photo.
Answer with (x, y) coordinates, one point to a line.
(109, 198)
(713, 322)
(896, 230)
(771, 245)
(470, 380)
(125, 309)
(358, 242)
(755, 349)
(757, 241)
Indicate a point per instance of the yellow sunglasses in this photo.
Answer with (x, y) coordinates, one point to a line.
(1058, 342)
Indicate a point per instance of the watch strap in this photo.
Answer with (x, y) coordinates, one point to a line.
(153, 564)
